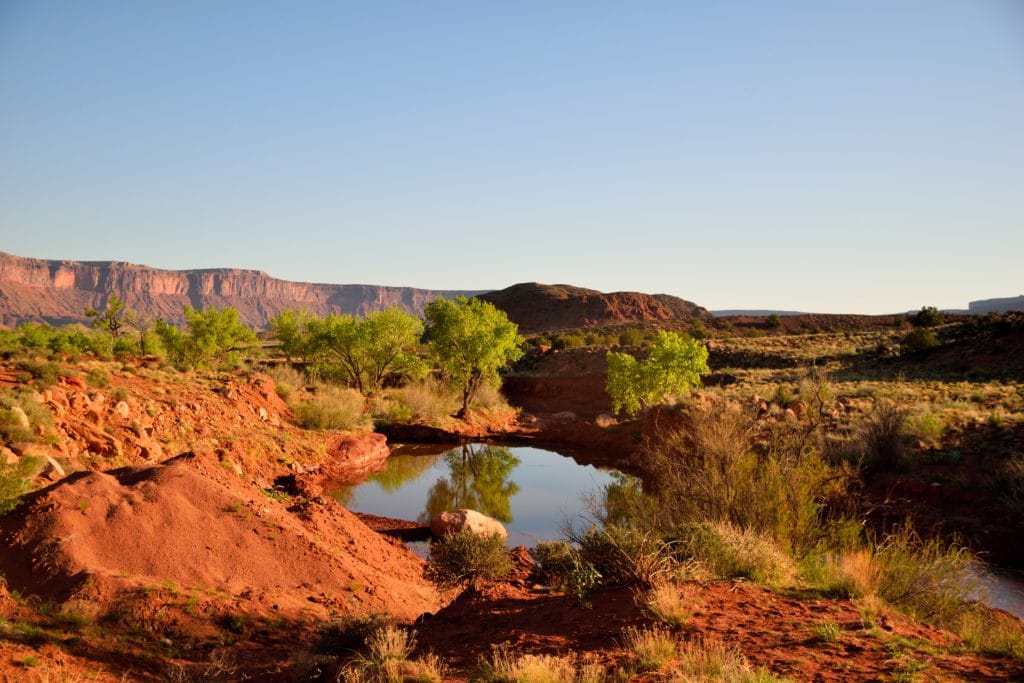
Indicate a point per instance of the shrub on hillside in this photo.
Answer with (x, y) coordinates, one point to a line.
(919, 341)
(928, 579)
(15, 481)
(22, 417)
(333, 408)
(427, 400)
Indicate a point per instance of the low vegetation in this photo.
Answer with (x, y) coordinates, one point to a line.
(464, 557)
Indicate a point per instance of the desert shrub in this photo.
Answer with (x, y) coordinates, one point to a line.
(631, 337)
(506, 666)
(387, 660)
(332, 408)
(427, 400)
(732, 552)
(926, 426)
(783, 395)
(466, 557)
(990, 632)
(568, 340)
(624, 555)
(708, 659)
(919, 341)
(17, 407)
(286, 379)
(669, 602)
(42, 375)
(713, 470)
(15, 481)
(928, 316)
(652, 648)
(928, 579)
(489, 397)
(563, 567)
(883, 437)
(98, 377)
(350, 633)
(853, 573)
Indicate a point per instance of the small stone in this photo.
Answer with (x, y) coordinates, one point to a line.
(122, 409)
(52, 471)
(454, 521)
(264, 415)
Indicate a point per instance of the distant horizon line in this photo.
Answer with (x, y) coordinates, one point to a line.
(718, 312)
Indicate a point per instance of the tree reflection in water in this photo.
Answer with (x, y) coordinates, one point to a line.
(478, 480)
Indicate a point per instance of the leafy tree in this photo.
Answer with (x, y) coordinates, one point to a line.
(928, 316)
(215, 337)
(673, 365)
(114, 318)
(292, 329)
(470, 340)
(368, 351)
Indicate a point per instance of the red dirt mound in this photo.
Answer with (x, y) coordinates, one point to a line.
(194, 522)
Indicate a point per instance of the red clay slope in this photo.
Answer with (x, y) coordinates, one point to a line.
(196, 523)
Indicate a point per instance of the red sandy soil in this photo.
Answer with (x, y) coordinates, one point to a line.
(771, 630)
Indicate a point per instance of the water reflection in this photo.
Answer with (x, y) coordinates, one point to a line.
(478, 479)
(532, 491)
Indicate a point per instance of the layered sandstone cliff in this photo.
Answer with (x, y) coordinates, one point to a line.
(59, 292)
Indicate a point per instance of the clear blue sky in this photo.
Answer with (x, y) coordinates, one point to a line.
(860, 156)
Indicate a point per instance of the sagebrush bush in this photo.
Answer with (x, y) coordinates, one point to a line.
(670, 603)
(563, 567)
(625, 554)
(333, 408)
(387, 660)
(732, 552)
(919, 341)
(465, 557)
(714, 470)
(709, 659)
(427, 400)
(42, 375)
(926, 578)
(506, 666)
(884, 438)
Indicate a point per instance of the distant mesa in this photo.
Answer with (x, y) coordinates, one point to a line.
(58, 292)
(541, 308)
(1015, 303)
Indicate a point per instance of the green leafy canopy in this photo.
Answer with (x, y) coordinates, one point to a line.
(674, 364)
(470, 340)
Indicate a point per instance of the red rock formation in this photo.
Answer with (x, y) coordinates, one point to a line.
(540, 308)
(59, 292)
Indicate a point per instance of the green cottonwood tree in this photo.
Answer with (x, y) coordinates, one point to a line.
(367, 351)
(674, 364)
(470, 340)
(215, 337)
(114, 318)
